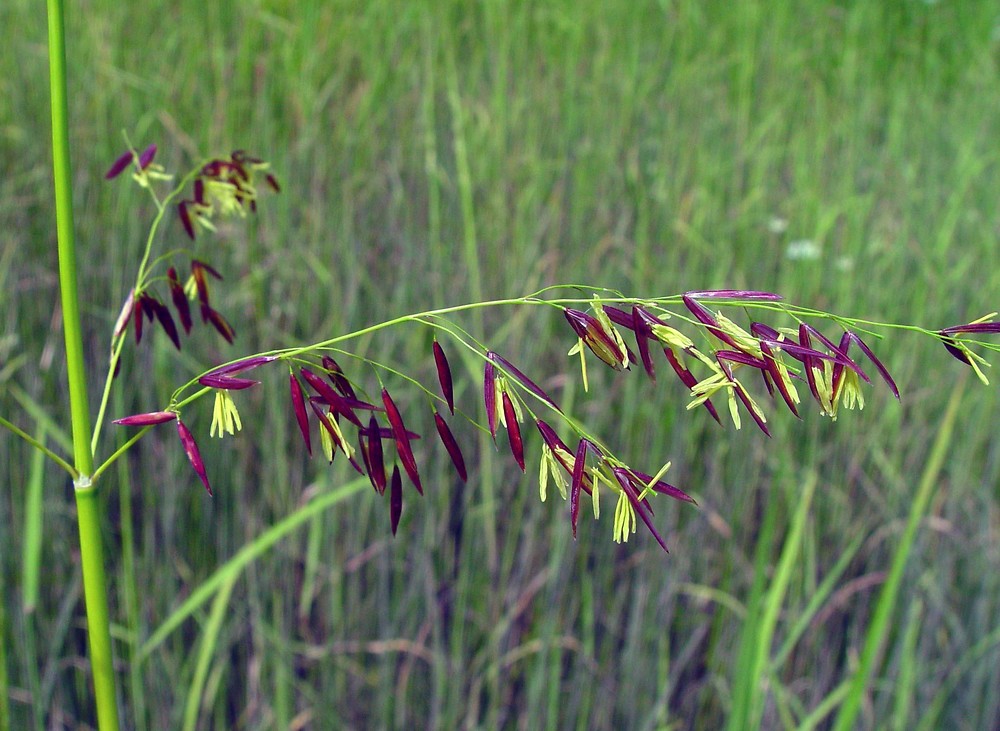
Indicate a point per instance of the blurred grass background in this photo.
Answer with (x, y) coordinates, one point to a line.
(436, 152)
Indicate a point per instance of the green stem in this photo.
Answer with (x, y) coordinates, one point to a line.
(79, 409)
(88, 515)
(95, 593)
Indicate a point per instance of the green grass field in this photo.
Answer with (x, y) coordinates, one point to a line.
(435, 153)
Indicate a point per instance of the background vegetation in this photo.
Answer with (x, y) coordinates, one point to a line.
(438, 152)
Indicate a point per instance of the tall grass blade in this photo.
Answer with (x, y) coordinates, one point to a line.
(128, 584)
(209, 641)
(243, 558)
(825, 707)
(4, 689)
(31, 550)
(744, 683)
(902, 709)
(819, 596)
(878, 629)
(760, 634)
(932, 717)
(311, 569)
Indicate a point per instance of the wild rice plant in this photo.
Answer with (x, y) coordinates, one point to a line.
(353, 410)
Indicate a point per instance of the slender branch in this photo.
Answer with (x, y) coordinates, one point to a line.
(39, 446)
(162, 208)
(140, 282)
(534, 300)
(119, 452)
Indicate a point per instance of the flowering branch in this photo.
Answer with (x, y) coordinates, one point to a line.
(713, 357)
(727, 358)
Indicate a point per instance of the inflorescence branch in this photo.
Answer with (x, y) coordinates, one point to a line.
(716, 359)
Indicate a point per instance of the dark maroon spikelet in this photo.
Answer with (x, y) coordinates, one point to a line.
(137, 318)
(334, 400)
(883, 371)
(198, 270)
(179, 299)
(979, 328)
(724, 358)
(149, 419)
(402, 442)
(837, 355)
(642, 334)
(299, 407)
(738, 356)
(376, 461)
(775, 374)
(242, 365)
(619, 317)
(444, 375)
(805, 342)
(490, 395)
(764, 331)
(512, 370)
(193, 455)
(336, 375)
(119, 165)
(590, 330)
(228, 383)
(218, 322)
(838, 368)
(185, 216)
(395, 498)
(705, 316)
(147, 157)
(513, 431)
(363, 448)
(320, 386)
(549, 436)
(951, 346)
(166, 321)
(448, 440)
